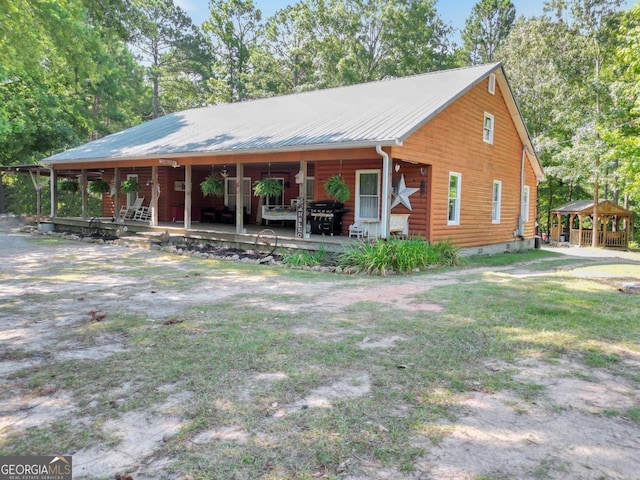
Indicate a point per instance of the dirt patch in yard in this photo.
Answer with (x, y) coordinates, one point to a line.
(574, 422)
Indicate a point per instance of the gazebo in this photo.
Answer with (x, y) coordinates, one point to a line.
(614, 224)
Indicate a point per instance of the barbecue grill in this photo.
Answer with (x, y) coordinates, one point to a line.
(325, 217)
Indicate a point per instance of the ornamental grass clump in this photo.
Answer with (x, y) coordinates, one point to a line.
(395, 255)
(302, 258)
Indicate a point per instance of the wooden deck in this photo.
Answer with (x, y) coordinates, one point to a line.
(215, 233)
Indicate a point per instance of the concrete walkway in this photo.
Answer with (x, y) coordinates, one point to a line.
(590, 252)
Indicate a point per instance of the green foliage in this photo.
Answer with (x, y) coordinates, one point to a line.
(267, 187)
(212, 185)
(130, 185)
(68, 186)
(235, 32)
(99, 187)
(488, 26)
(398, 255)
(303, 258)
(337, 189)
(177, 53)
(572, 99)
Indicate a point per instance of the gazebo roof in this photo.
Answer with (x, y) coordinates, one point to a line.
(605, 207)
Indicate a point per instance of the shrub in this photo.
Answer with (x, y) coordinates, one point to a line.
(398, 255)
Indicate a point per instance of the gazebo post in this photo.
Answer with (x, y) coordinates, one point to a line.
(580, 230)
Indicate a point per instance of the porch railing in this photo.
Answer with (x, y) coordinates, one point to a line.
(606, 239)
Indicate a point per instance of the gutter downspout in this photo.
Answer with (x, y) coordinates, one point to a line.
(386, 189)
(520, 219)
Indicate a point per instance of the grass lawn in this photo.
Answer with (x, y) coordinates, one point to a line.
(289, 386)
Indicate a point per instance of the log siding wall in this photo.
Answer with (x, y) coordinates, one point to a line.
(453, 142)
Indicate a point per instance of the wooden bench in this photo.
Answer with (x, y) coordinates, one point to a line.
(399, 224)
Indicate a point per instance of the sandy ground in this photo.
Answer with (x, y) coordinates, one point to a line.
(564, 435)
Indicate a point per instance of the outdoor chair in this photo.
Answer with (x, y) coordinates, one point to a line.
(129, 213)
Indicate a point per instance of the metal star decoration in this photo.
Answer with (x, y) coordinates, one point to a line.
(404, 192)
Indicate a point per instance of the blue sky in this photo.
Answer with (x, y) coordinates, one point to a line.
(453, 12)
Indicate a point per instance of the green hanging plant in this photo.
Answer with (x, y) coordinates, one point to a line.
(130, 186)
(69, 186)
(268, 187)
(99, 187)
(337, 189)
(212, 185)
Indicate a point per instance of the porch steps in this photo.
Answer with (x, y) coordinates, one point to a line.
(135, 241)
(147, 239)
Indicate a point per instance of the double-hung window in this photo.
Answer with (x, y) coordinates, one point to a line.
(455, 180)
(497, 199)
(367, 195)
(487, 131)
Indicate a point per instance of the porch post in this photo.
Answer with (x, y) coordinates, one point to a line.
(579, 229)
(53, 182)
(239, 198)
(83, 186)
(154, 196)
(301, 230)
(116, 195)
(187, 196)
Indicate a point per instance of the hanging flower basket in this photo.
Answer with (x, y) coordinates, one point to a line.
(269, 187)
(99, 187)
(68, 186)
(337, 189)
(130, 186)
(212, 185)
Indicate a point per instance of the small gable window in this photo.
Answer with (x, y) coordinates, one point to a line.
(492, 84)
(487, 134)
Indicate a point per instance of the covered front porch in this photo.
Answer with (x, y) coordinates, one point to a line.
(573, 223)
(169, 192)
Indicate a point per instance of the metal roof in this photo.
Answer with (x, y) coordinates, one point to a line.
(376, 113)
(586, 206)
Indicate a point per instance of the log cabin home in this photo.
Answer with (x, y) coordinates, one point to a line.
(443, 155)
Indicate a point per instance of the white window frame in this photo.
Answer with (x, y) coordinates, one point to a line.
(496, 201)
(526, 198)
(488, 129)
(310, 188)
(455, 207)
(246, 192)
(492, 84)
(358, 216)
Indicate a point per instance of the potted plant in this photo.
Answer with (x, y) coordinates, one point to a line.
(337, 189)
(267, 187)
(69, 186)
(212, 185)
(131, 185)
(99, 187)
